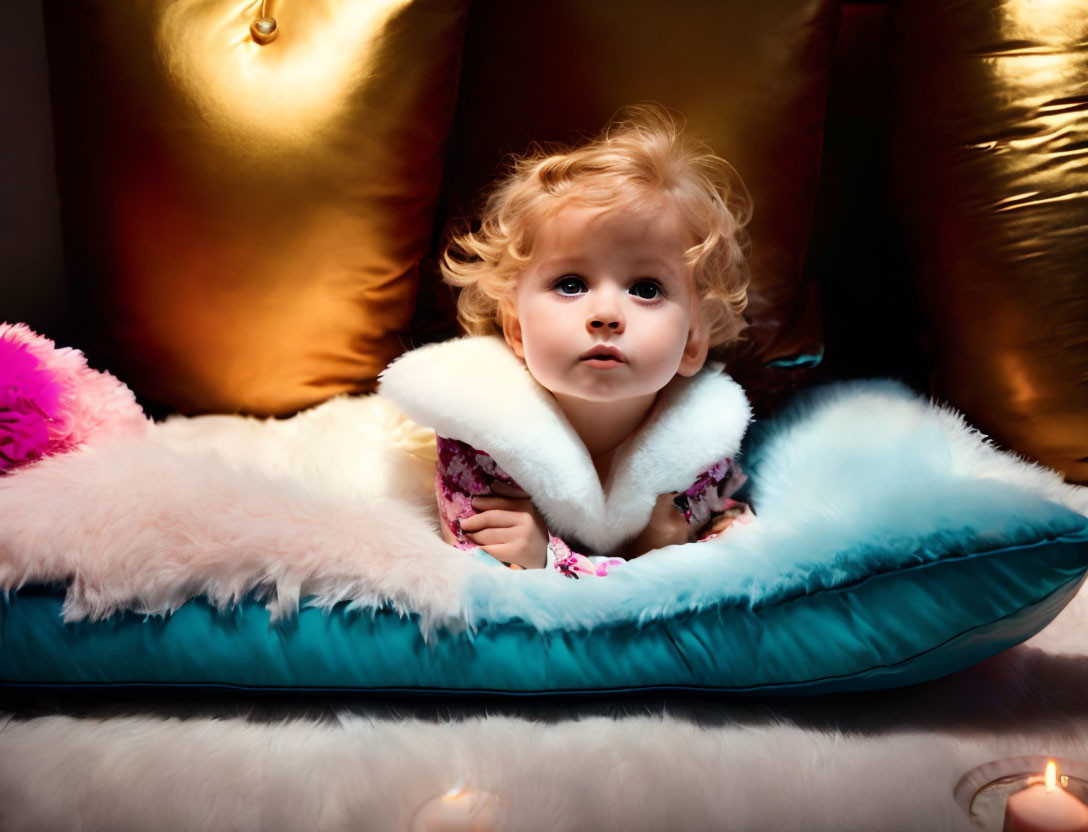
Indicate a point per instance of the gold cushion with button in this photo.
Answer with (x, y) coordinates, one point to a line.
(243, 220)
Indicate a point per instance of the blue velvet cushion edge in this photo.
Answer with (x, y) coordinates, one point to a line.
(890, 629)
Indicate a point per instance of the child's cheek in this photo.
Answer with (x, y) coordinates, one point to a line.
(548, 342)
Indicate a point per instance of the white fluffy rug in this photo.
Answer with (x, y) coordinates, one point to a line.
(594, 774)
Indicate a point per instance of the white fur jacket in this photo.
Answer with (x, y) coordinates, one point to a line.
(494, 421)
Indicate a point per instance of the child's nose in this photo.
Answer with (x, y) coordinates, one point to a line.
(611, 322)
(605, 309)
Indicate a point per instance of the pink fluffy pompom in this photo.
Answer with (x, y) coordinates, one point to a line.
(51, 401)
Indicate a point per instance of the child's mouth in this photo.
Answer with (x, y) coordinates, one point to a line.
(602, 361)
(607, 354)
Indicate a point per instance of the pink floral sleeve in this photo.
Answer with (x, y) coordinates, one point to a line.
(710, 497)
(462, 472)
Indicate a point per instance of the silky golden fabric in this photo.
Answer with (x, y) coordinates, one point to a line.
(750, 78)
(243, 222)
(990, 154)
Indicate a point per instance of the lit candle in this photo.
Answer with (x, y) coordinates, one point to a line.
(458, 810)
(1044, 806)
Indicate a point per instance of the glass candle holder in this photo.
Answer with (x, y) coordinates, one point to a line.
(983, 791)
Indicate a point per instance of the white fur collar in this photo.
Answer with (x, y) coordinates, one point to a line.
(476, 390)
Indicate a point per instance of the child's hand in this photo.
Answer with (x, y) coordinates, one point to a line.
(741, 516)
(508, 528)
(667, 527)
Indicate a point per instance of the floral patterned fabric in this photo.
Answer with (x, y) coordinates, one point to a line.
(463, 472)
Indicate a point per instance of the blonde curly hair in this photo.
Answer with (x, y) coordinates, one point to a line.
(642, 151)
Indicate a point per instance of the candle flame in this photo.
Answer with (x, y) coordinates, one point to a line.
(458, 788)
(1051, 775)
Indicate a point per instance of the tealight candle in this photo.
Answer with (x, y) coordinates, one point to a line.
(458, 810)
(1044, 806)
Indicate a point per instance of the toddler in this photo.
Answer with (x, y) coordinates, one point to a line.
(581, 421)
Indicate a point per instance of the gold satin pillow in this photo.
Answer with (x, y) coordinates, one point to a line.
(988, 154)
(751, 80)
(243, 222)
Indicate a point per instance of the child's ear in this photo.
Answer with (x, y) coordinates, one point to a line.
(695, 350)
(511, 329)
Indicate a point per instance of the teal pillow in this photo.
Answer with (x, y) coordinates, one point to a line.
(892, 545)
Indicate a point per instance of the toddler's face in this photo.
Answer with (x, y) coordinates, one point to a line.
(608, 280)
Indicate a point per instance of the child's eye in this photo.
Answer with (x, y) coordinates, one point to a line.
(646, 289)
(570, 285)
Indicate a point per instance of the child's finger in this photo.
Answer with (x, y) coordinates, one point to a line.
(726, 521)
(487, 537)
(493, 519)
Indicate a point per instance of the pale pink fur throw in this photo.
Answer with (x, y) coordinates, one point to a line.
(218, 505)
